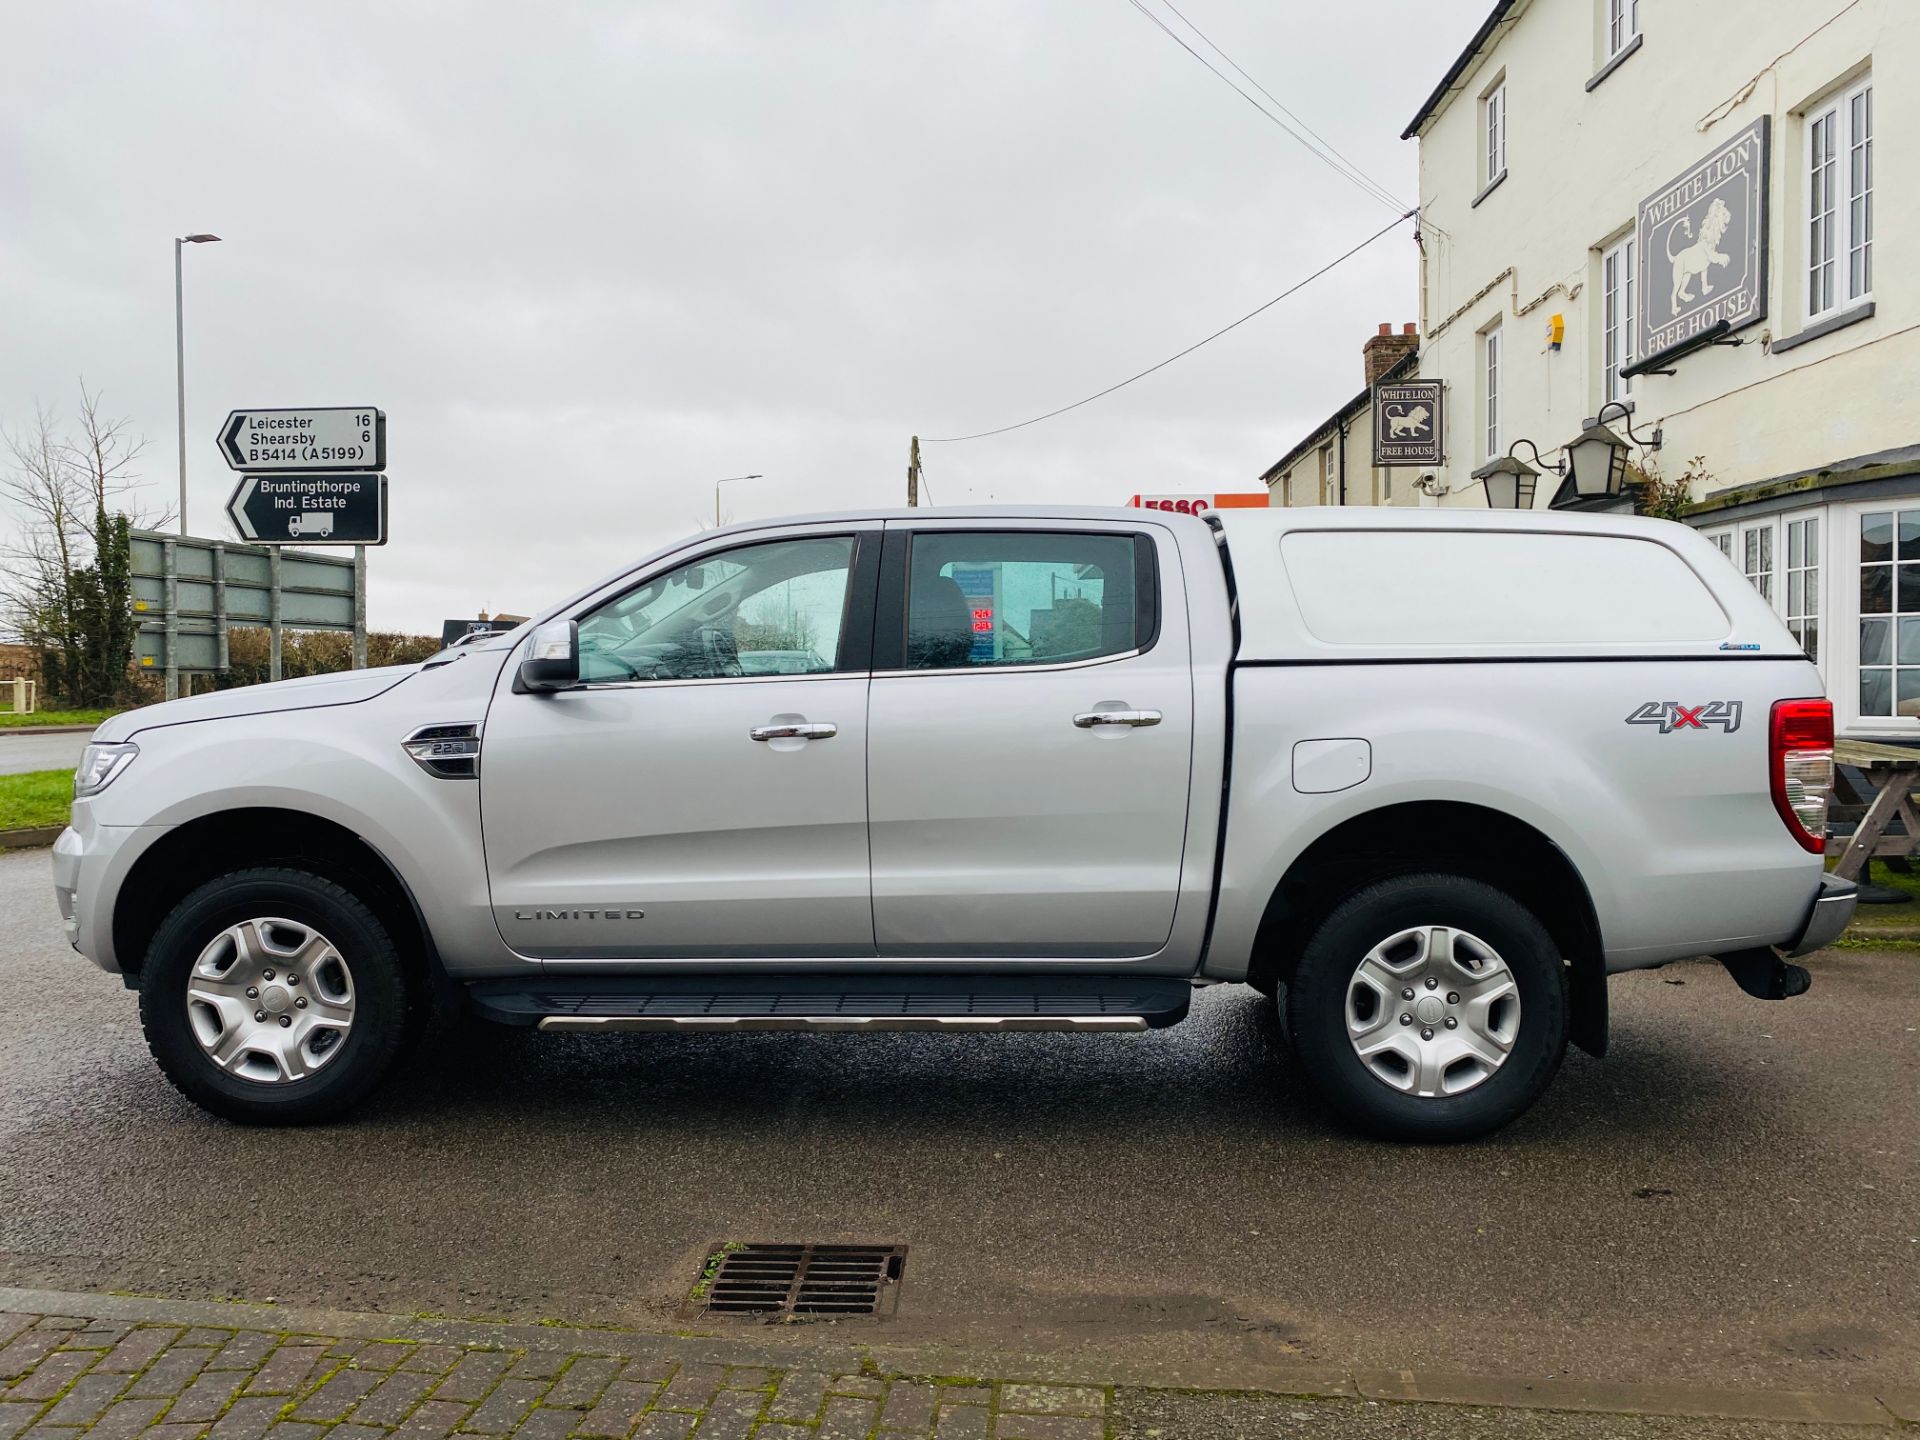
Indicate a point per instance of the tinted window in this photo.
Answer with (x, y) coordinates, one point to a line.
(983, 598)
(772, 609)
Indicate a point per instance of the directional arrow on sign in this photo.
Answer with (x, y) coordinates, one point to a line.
(310, 509)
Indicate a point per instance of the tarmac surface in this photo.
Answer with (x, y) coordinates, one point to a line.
(21, 754)
(1732, 1198)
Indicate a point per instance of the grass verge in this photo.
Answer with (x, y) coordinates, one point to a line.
(40, 797)
(12, 720)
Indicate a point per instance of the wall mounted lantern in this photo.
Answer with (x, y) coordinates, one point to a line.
(1511, 481)
(1597, 456)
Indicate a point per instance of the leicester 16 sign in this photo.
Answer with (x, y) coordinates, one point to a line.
(1703, 245)
(1407, 427)
(352, 437)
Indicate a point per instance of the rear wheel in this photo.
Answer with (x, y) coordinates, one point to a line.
(274, 995)
(1429, 1007)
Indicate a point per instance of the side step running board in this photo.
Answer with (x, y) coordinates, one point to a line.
(845, 1002)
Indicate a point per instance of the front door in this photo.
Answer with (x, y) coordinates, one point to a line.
(702, 792)
(1030, 736)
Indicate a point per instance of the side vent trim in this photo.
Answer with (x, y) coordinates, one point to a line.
(446, 752)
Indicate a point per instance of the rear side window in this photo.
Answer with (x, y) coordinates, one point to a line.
(982, 598)
(1479, 587)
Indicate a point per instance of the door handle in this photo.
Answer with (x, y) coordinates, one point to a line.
(1086, 720)
(797, 731)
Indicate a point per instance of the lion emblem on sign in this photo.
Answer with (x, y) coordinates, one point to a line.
(1407, 422)
(1695, 261)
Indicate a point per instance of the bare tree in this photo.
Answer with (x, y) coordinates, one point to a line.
(63, 580)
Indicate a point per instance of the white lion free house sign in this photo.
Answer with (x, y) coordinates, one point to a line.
(1703, 245)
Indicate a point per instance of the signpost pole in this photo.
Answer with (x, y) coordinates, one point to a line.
(359, 607)
(223, 660)
(180, 384)
(274, 628)
(913, 474)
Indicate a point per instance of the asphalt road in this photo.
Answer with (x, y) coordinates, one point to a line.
(22, 753)
(1732, 1198)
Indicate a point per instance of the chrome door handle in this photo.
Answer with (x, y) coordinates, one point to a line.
(1090, 718)
(795, 732)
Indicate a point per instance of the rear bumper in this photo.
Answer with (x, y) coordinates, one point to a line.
(1830, 913)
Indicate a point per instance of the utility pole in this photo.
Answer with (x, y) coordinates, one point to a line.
(913, 474)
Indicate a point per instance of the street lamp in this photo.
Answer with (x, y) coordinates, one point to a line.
(1510, 480)
(180, 359)
(727, 480)
(1597, 456)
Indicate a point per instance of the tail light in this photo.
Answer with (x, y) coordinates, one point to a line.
(1800, 762)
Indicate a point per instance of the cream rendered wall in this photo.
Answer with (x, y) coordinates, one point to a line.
(1578, 164)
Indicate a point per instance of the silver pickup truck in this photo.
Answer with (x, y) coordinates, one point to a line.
(1427, 776)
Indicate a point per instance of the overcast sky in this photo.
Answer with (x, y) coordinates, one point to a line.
(590, 257)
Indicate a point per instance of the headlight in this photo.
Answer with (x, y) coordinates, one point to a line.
(100, 764)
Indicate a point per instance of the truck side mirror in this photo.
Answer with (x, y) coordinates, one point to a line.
(553, 657)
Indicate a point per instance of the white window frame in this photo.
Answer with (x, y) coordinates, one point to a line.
(1328, 480)
(1762, 549)
(1623, 25)
(1837, 166)
(1618, 296)
(1490, 378)
(1493, 134)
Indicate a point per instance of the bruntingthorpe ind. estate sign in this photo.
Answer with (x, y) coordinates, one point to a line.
(1702, 243)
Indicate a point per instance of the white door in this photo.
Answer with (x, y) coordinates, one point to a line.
(702, 792)
(1030, 735)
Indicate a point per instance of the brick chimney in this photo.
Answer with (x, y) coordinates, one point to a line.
(1386, 350)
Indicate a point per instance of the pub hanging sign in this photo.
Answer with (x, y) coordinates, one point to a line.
(1702, 243)
(1408, 423)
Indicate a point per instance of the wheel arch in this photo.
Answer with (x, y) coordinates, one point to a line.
(1459, 838)
(211, 845)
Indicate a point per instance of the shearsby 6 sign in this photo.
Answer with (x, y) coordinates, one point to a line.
(344, 438)
(1702, 242)
(1407, 428)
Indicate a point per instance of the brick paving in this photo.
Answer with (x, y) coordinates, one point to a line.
(70, 1378)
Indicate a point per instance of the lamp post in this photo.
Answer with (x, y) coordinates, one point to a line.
(1510, 481)
(180, 360)
(1597, 456)
(726, 480)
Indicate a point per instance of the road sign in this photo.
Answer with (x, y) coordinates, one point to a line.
(311, 509)
(350, 437)
(453, 631)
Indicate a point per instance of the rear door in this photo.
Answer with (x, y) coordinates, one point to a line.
(1030, 738)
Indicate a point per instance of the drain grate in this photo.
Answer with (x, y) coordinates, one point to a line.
(802, 1281)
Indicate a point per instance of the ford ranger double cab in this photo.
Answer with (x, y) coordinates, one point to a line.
(1428, 777)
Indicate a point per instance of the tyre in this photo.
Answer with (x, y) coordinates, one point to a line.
(273, 996)
(1429, 1007)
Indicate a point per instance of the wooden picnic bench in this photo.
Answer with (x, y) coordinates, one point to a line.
(1895, 772)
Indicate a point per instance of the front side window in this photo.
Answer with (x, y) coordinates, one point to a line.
(1616, 319)
(1840, 202)
(1493, 123)
(770, 609)
(1890, 613)
(986, 598)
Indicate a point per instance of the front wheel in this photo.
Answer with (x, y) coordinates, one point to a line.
(1429, 1007)
(274, 996)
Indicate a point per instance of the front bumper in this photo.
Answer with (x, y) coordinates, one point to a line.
(1829, 915)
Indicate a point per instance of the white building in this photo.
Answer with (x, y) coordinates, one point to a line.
(1675, 205)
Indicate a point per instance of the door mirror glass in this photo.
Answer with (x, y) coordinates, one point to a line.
(553, 657)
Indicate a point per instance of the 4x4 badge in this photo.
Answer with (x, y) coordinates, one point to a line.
(1671, 715)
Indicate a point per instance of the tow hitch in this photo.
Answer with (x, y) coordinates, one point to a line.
(1765, 976)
